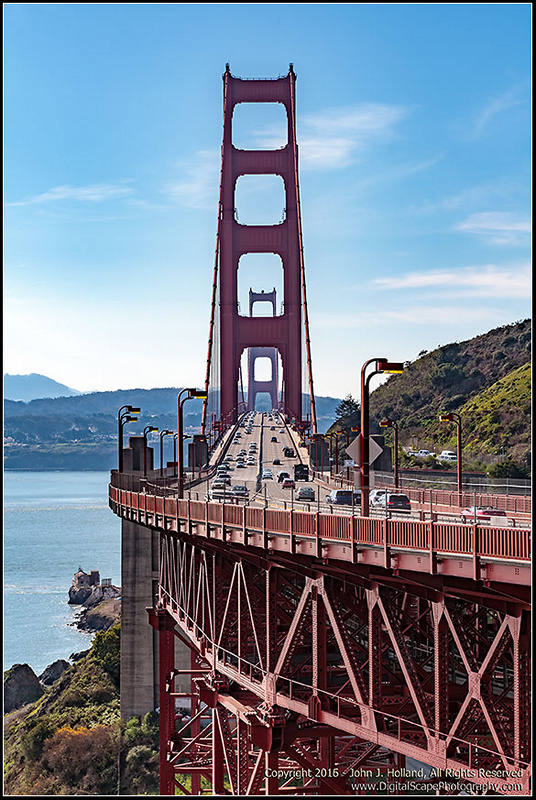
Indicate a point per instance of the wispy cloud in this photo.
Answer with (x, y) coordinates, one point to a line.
(417, 314)
(486, 281)
(500, 227)
(198, 184)
(494, 107)
(470, 197)
(95, 193)
(333, 137)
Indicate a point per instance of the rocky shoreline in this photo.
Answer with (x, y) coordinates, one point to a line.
(100, 610)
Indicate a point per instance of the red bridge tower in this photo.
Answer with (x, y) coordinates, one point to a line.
(230, 333)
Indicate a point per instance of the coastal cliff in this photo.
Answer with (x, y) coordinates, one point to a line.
(71, 740)
(101, 602)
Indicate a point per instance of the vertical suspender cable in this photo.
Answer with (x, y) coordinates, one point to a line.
(302, 263)
(215, 282)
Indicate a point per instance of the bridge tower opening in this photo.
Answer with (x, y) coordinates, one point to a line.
(283, 335)
(269, 385)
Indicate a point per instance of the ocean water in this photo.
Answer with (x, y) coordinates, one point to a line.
(54, 522)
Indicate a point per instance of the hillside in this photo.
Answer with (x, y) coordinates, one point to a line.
(71, 740)
(80, 432)
(486, 380)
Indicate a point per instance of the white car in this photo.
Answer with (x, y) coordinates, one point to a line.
(267, 474)
(377, 498)
(447, 455)
(424, 454)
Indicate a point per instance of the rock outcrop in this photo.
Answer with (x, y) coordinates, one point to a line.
(21, 686)
(53, 672)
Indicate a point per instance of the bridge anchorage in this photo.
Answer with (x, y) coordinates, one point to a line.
(305, 652)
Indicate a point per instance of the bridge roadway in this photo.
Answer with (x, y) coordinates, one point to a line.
(261, 429)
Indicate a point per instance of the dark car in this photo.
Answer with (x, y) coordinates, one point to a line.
(482, 514)
(343, 497)
(276, 461)
(273, 439)
(282, 476)
(397, 502)
(305, 493)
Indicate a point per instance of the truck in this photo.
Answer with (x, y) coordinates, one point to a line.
(301, 472)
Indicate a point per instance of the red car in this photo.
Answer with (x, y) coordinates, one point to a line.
(288, 483)
(482, 514)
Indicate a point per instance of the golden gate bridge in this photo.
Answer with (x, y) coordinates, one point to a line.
(312, 650)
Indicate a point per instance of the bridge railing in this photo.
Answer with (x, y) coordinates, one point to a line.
(440, 537)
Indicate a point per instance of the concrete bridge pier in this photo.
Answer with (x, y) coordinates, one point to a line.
(140, 558)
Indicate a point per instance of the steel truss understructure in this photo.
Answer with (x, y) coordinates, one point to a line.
(307, 675)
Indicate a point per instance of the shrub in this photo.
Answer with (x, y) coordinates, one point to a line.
(106, 651)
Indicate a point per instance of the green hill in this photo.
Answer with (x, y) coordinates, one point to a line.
(71, 741)
(486, 380)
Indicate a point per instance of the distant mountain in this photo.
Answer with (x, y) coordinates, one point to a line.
(33, 386)
(80, 432)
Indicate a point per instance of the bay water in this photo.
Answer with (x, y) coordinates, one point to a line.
(54, 523)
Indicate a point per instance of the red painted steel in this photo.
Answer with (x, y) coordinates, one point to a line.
(441, 539)
(282, 332)
(315, 673)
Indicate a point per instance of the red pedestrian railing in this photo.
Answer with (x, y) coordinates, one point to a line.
(438, 537)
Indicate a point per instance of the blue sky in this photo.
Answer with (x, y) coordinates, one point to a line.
(415, 160)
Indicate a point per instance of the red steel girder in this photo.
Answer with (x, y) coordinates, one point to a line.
(288, 644)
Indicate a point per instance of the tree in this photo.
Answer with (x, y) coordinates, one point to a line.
(347, 407)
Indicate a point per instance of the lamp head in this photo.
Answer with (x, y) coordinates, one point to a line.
(386, 423)
(446, 418)
(390, 367)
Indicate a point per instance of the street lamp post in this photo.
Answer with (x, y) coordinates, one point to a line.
(390, 423)
(451, 417)
(175, 451)
(192, 394)
(384, 367)
(146, 430)
(162, 434)
(124, 415)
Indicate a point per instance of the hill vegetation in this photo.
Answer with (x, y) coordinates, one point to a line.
(486, 380)
(72, 741)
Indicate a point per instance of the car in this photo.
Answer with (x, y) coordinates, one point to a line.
(218, 494)
(377, 498)
(242, 452)
(272, 428)
(273, 439)
(282, 430)
(281, 476)
(287, 483)
(344, 497)
(276, 461)
(241, 465)
(305, 493)
(483, 514)
(397, 502)
(447, 455)
(423, 454)
(240, 491)
(221, 483)
(238, 435)
(267, 474)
